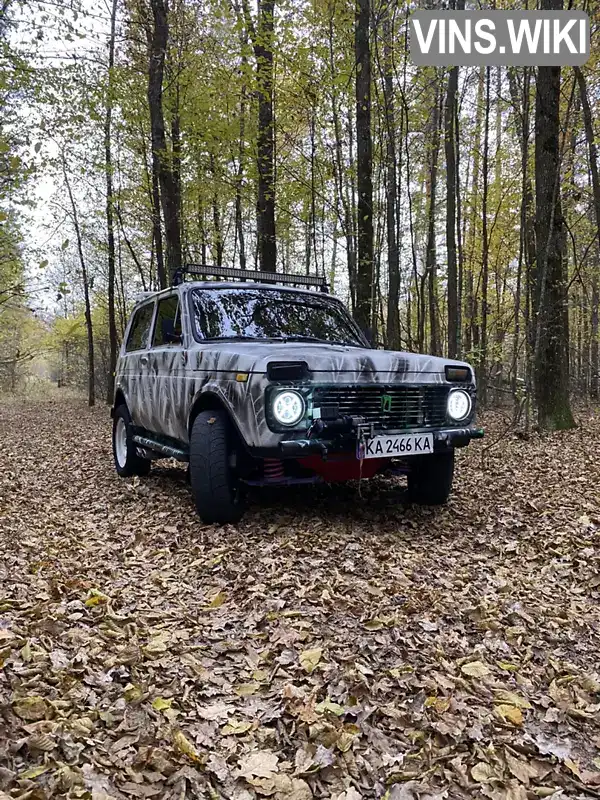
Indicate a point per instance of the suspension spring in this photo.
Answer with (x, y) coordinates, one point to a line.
(273, 469)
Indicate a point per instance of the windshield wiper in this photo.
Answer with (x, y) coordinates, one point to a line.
(302, 338)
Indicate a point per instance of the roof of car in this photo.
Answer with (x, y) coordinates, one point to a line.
(143, 296)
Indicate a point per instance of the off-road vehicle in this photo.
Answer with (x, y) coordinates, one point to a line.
(264, 379)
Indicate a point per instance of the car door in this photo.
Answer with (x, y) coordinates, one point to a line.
(167, 369)
(135, 365)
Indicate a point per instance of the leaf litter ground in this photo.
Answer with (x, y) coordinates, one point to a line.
(334, 644)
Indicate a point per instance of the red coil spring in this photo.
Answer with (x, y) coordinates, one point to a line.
(273, 469)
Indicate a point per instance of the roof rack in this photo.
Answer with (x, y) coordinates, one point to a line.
(207, 271)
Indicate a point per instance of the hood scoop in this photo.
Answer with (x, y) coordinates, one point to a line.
(288, 371)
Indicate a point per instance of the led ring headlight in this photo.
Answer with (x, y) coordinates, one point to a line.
(288, 408)
(459, 405)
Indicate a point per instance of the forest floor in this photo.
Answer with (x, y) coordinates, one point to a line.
(334, 644)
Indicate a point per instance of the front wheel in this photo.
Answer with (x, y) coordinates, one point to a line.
(215, 487)
(430, 479)
(127, 461)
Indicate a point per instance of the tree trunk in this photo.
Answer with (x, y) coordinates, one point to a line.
(393, 311)
(262, 42)
(218, 233)
(158, 40)
(551, 352)
(485, 253)
(156, 226)
(431, 252)
(459, 237)
(239, 217)
(342, 188)
(86, 289)
(363, 313)
(593, 156)
(110, 228)
(527, 232)
(450, 112)
(471, 335)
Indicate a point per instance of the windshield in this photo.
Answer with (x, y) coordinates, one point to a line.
(271, 314)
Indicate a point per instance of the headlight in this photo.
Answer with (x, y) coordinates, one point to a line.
(459, 405)
(288, 408)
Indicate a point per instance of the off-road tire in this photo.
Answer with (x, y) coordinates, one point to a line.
(131, 463)
(430, 479)
(215, 489)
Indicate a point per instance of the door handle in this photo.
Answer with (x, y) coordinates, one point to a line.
(144, 360)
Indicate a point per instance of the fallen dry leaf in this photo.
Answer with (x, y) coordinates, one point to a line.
(260, 764)
(475, 669)
(310, 658)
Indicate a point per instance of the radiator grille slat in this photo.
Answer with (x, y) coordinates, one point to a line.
(388, 407)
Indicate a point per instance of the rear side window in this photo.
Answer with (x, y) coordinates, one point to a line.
(140, 328)
(168, 322)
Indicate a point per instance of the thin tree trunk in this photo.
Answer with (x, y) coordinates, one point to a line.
(216, 215)
(86, 289)
(431, 252)
(459, 236)
(347, 223)
(110, 228)
(158, 39)
(471, 327)
(156, 226)
(527, 232)
(239, 216)
(393, 311)
(262, 41)
(485, 253)
(364, 156)
(450, 113)
(593, 157)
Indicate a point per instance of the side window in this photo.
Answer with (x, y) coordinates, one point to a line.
(140, 328)
(167, 328)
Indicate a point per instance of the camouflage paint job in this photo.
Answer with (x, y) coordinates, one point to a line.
(161, 384)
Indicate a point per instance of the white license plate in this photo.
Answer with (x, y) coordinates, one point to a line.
(398, 445)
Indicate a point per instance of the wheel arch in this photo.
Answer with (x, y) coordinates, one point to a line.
(211, 400)
(120, 400)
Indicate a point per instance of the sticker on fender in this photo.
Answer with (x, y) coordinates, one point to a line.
(397, 446)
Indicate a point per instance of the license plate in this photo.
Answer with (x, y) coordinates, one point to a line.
(398, 445)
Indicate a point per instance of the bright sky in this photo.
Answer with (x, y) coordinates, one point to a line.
(52, 35)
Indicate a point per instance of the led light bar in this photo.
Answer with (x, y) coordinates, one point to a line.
(207, 271)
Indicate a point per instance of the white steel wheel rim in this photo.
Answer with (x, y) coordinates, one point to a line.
(121, 442)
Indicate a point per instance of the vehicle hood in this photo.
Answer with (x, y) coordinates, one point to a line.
(338, 363)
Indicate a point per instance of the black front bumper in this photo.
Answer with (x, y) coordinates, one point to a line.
(443, 439)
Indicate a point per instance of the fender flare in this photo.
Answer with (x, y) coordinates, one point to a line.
(211, 397)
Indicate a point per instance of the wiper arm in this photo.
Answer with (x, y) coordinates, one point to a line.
(301, 338)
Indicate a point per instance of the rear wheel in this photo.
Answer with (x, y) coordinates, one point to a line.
(127, 461)
(430, 479)
(215, 487)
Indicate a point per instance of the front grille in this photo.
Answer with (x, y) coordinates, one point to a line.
(388, 407)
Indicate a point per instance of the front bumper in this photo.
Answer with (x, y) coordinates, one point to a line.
(443, 439)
